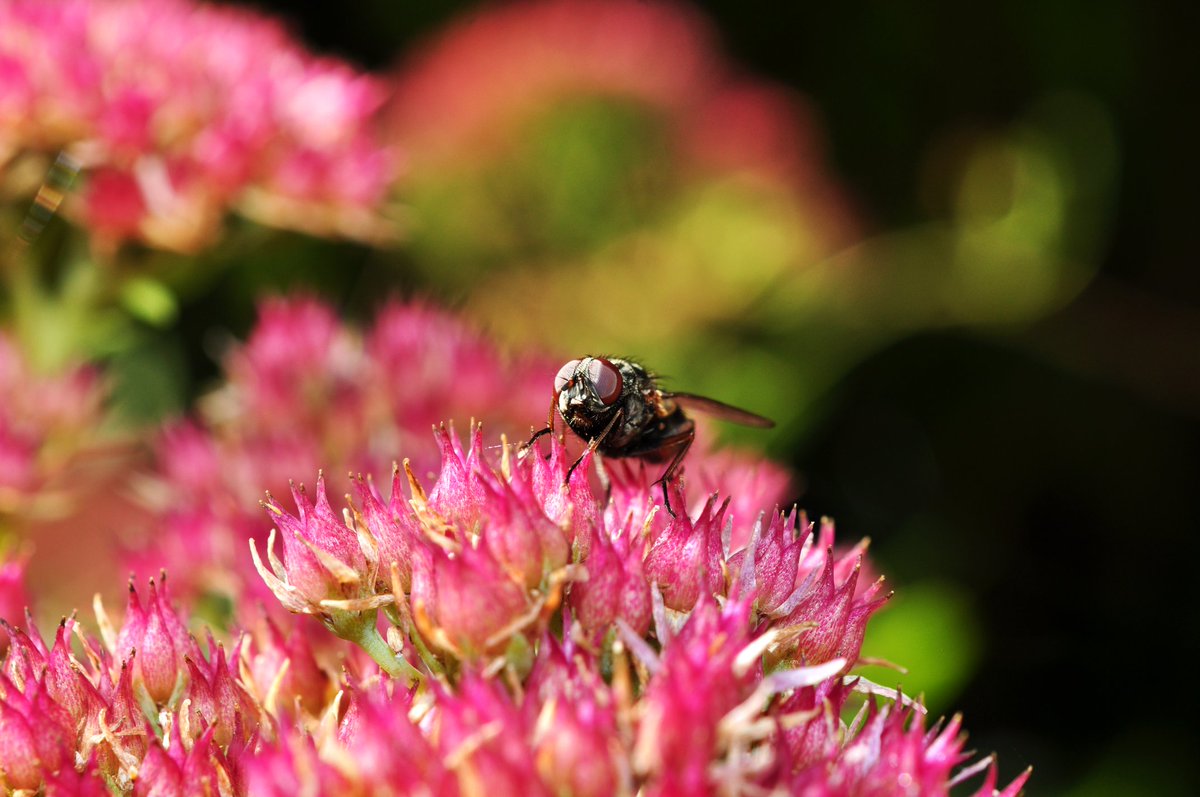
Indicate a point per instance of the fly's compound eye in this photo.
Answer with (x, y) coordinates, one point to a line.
(606, 379)
(565, 374)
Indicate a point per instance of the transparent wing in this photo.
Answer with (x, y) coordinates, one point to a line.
(720, 410)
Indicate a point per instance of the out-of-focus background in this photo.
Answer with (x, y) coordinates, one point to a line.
(948, 248)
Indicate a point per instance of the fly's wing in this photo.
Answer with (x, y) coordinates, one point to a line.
(719, 410)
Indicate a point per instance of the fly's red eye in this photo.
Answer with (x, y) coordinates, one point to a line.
(606, 378)
(564, 375)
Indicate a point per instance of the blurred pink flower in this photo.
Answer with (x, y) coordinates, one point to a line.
(181, 111)
(307, 392)
(14, 595)
(45, 419)
(473, 87)
(284, 672)
(496, 108)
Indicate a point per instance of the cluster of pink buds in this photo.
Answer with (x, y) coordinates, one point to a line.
(218, 109)
(544, 637)
(489, 619)
(147, 710)
(499, 628)
(686, 711)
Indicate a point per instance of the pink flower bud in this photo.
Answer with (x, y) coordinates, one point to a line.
(65, 680)
(323, 558)
(160, 640)
(766, 568)
(36, 736)
(837, 613)
(616, 585)
(572, 505)
(466, 599)
(525, 542)
(685, 561)
(302, 682)
(123, 738)
(458, 494)
(393, 528)
(219, 703)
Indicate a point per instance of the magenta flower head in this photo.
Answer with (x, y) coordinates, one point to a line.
(290, 766)
(180, 768)
(766, 567)
(393, 527)
(387, 747)
(498, 760)
(700, 679)
(325, 567)
(892, 752)
(575, 738)
(284, 671)
(218, 701)
(512, 630)
(827, 602)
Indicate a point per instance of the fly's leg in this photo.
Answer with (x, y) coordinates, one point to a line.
(681, 445)
(594, 442)
(540, 433)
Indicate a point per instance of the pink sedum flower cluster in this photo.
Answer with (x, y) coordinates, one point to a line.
(486, 625)
(544, 638)
(179, 111)
(489, 680)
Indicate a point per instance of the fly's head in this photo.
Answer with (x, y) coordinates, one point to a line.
(590, 392)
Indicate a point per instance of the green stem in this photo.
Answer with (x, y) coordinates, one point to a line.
(427, 657)
(431, 661)
(359, 628)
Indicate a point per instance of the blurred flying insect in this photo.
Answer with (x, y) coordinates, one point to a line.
(619, 409)
(50, 195)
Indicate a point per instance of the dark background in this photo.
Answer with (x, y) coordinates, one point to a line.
(1051, 470)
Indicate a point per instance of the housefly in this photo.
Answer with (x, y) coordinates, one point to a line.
(619, 409)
